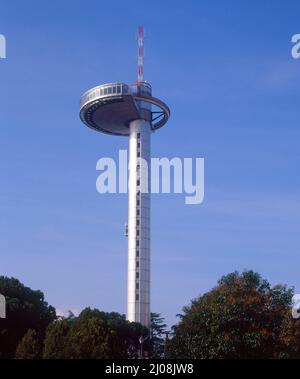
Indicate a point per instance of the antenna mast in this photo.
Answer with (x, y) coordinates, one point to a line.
(140, 54)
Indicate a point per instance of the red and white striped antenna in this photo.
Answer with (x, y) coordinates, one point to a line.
(140, 53)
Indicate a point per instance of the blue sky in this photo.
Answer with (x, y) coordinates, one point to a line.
(226, 71)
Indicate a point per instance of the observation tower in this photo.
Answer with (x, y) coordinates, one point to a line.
(131, 110)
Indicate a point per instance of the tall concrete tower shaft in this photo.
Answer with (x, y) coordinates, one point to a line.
(123, 110)
(120, 109)
(138, 300)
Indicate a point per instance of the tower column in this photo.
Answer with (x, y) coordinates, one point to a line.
(138, 300)
(124, 110)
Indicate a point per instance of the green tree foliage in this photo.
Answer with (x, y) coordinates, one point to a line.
(25, 309)
(158, 332)
(30, 346)
(242, 317)
(93, 335)
(56, 339)
(128, 333)
(92, 338)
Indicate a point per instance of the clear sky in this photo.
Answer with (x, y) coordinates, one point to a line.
(226, 71)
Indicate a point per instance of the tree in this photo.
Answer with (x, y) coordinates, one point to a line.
(25, 309)
(92, 338)
(56, 339)
(158, 331)
(93, 335)
(242, 317)
(30, 346)
(128, 334)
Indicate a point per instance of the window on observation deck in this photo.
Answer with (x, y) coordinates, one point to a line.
(124, 88)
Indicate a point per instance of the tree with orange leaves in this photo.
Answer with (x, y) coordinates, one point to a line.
(242, 317)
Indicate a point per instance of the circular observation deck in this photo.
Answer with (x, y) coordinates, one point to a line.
(109, 108)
